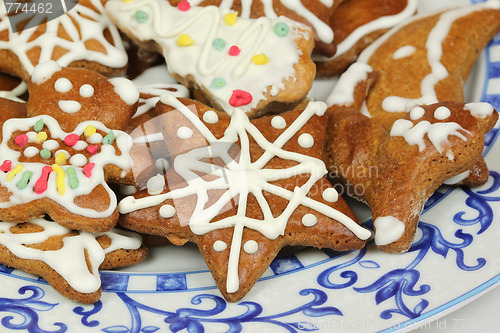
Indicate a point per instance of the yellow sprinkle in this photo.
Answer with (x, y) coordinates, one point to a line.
(230, 18)
(14, 172)
(184, 40)
(61, 158)
(89, 130)
(260, 59)
(41, 137)
(60, 175)
(128, 0)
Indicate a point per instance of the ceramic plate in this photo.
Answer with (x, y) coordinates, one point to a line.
(453, 259)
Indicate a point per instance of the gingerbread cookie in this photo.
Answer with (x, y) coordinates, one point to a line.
(68, 260)
(243, 189)
(252, 64)
(82, 37)
(12, 88)
(400, 169)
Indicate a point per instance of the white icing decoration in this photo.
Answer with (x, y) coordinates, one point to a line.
(86, 91)
(156, 184)
(162, 164)
(155, 90)
(219, 246)
(31, 151)
(14, 94)
(31, 136)
(343, 92)
(330, 195)
(95, 138)
(416, 113)
(50, 144)
(250, 247)
(458, 178)
(479, 110)
(126, 89)
(127, 189)
(442, 113)
(78, 160)
(184, 132)
(63, 85)
(309, 220)
(388, 229)
(210, 117)
(69, 106)
(404, 51)
(167, 211)
(306, 140)
(44, 71)
(80, 145)
(240, 177)
(149, 138)
(278, 122)
(69, 261)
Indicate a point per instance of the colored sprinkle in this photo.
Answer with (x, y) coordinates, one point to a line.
(61, 158)
(71, 139)
(87, 169)
(21, 140)
(141, 16)
(92, 149)
(260, 59)
(184, 5)
(184, 40)
(280, 29)
(109, 138)
(39, 125)
(128, 0)
(219, 44)
(72, 178)
(89, 130)
(61, 187)
(230, 18)
(41, 137)
(234, 51)
(240, 98)
(6, 166)
(218, 83)
(41, 183)
(45, 153)
(25, 178)
(14, 172)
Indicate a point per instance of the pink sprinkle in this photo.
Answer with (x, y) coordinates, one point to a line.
(234, 51)
(87, 169)
(21, 140)
(71, 139)
(240, 98)
(184, 5)
(41, 183)
(92, 149)
(6, 166)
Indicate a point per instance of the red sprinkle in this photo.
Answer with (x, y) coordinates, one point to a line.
(41, 183)
(6, 166)
(71, 139)
(234, 51)
(92, 149)
(184, 5)
(21, 140)
(240, 98)
(87, 169)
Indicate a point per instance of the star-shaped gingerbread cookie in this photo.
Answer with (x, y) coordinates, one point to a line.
(242, 189)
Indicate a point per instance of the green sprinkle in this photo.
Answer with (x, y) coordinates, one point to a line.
(280, 29)
(218, 83)
(25, 178)
(72, 178)
(141, 16)
(45, 153)
(219, 44)
(109, 138)
(39, 125)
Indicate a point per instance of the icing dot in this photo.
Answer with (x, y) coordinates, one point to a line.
(210, 117)
(218, 83)
(185, 40)
(21, 140)
(260, 59)
(31, 136)
(63, 85)
(45, 153)
(219, 246)
(167, 211)
(230, 19)
(278, 122)
(6, 166)
(417, 113)
(71, 139)
(184, 5)
(156, 184)
(31, 151)
(87, 170)
(96, 138)
(40, 137)
(234, 51)
(69, 106)
(51, 144)
(441, 113)
(109, 138)
(89, 130)
(39, 125)
(162, 164)
(240, 98)
(280, 29)
(78, 160)
(330, 195)
(61, 157)
(86, 91)
(141, 16)
(250, 246)
(184, 132)
(92, 149)
(309, 220)
(306, 140)
(219, 44)
(79, 145)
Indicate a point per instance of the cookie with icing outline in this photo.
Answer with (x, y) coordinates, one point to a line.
(13, 88)
(67, 259)
(401, 168)
(253, 64)
(241, 190)
(82, 37)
